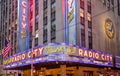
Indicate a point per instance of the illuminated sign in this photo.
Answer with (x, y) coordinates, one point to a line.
(71, 21)
(23, 41)
(117, 61)
(109, 28)
(95, 55)
(23, 56)
(59, 52)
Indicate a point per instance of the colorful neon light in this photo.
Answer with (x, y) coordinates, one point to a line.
(23, 40)
(60, 52)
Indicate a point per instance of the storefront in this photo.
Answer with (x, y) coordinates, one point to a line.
(60, 59)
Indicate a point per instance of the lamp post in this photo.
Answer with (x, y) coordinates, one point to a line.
(32, 56)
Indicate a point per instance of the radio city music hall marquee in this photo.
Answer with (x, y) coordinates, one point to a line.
(59, 49)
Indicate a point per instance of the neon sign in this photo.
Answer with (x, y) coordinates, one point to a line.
(95, 55)
(23, 41)
(70, 2)
(71, 21)
(23, 23)
(60, 53)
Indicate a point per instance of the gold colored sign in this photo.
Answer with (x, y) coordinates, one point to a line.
(109, 29)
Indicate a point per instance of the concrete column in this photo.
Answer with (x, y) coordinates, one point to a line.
(63, 70)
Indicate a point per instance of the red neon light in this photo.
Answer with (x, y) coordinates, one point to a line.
(24, 4)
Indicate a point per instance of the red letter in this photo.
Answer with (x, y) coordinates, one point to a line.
(24, 3)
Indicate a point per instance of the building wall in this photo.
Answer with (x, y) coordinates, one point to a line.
(72, 71)
(100, 12)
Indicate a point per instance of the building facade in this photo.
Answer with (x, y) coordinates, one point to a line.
(106, 10)
(93, 24)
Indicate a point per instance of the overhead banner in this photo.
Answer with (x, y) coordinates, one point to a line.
(23, 31)
(71, 21)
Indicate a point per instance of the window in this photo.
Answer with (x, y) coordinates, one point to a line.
(90, 24)
(36, 23)
(118, 4)
(44, 35)
(82, 20)
(45, 21)
(88, 16)
(52, 1)
(36, 41)
(52, 16)
(82, 4)
(16, 3)
(53, 33)
(81, 12)
(36, 7)
(45, 13)
(108, 4)
(90, 39)
(45, 4)
(53, 25)
(12, 16)
(16, 14)
(83, 37)
(89, 7)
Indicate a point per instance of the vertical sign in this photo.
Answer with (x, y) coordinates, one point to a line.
(71, 21)
(23, 33)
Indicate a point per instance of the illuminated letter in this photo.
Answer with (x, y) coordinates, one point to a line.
(85, 53)
(41, 50)
(23, 17)
(110, 58)
(70, 2)
(23, 56)
(23, 25)
(96, 55)
(90, 54)
(24, 3)
(29, 54)
(24, 6)
(80, 52)
(103, 57)
(35, 52)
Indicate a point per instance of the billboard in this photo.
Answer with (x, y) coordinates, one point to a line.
(23, 32)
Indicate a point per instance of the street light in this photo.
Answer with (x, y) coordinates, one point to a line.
(32, 57)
